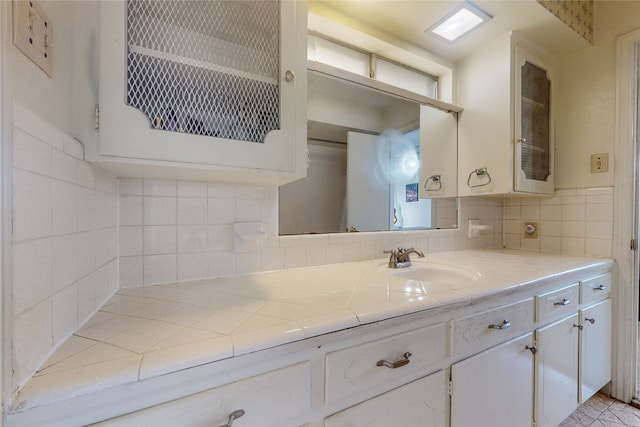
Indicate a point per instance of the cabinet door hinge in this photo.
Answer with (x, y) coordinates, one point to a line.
(450, 387)
(97, 117)
(633, 245)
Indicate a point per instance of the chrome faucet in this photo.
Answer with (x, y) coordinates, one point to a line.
(400, 257)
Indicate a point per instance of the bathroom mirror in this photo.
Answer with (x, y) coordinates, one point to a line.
(378, 162)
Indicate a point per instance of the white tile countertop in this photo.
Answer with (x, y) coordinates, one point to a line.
(153, 330)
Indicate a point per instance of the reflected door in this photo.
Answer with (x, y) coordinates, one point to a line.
(368, 204)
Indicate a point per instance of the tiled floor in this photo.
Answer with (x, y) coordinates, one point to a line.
(602, 411)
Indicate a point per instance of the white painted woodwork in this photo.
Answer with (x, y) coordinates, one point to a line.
(557, 371)
(595, 349)
(368, 204)
(354, 369)
(487, 127)
(422, 402)
(595, 289)
(438, 153)
(494, 388)
(269, 399)
(551, 305)
(472, 333)
(126, 138)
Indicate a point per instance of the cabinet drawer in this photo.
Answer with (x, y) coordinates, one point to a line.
(421, 402)
(483, 330)
(595, 289)
(267, 400)
(552, 305)
(355, 369)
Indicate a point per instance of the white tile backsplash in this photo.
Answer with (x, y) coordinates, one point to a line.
(574, 221)
(64, 240)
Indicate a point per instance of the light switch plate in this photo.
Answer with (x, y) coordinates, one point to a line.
(33, 33)
(600, 163)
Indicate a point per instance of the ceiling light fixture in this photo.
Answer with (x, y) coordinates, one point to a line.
(459, 22)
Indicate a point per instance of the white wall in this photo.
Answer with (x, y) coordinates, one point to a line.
(586, 84)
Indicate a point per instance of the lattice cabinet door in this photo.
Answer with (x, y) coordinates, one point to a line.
(216, 84)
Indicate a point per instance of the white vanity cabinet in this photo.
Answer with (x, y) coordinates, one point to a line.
(505, 134)
(495, 387)
(213, 87)
(274, 398)
(595, 348)
(422, 402)
(557, 371)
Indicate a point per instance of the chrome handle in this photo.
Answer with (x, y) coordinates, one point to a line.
(479, 172)
(234, 416)
(563, 302)
(580, 327)
(289, 76)
(532, 349)
(592, 320)
(522, 140)
(397, 364)
(600, 288)
(504, 325)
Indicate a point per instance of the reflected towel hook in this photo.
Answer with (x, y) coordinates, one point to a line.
(434, 179)
(479, 173)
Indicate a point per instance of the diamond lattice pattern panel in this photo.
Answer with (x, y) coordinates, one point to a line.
(205, 67)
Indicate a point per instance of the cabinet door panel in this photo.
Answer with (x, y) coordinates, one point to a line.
(420, 403)
(595, 349)
(557, 371)
(267, 400)
(495, 387)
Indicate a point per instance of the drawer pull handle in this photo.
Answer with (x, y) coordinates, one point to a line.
(600, 288)
(580, 327)
(563, 302)
(397, 364)
(289, 76)
(532, 349)
(592, 320)
(504, 325)
(234, 416)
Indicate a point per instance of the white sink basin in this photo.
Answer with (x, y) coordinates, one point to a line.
(434, 272)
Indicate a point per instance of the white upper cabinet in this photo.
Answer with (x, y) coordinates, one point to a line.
(214, 86)
(505, 133)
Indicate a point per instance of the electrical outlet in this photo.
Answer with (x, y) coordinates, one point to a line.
(33, 33)
(600, 163)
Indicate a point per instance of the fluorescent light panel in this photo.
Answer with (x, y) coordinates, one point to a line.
(459, 22)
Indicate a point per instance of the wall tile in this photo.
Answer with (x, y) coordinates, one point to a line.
(130, 210)
(221, 190)
(32, 273)
(32, 340)
(158, 269)
(130, 186)
(159, 187)
(65, 261)
(130, 269)
(192, 266)
(160, 240)
(32, 205)
(192, 238)
(31, 154)
(86, 209)
(192, 211)
(86, 297)
(130, 240)
(65, 313)
(192, 189)
(64, 167)
(65, 207)
(159, 210)
(220, 238)
(222, 264)
(86, 253)
(221, 211)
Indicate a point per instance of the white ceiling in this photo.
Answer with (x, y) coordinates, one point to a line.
(408, 19)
